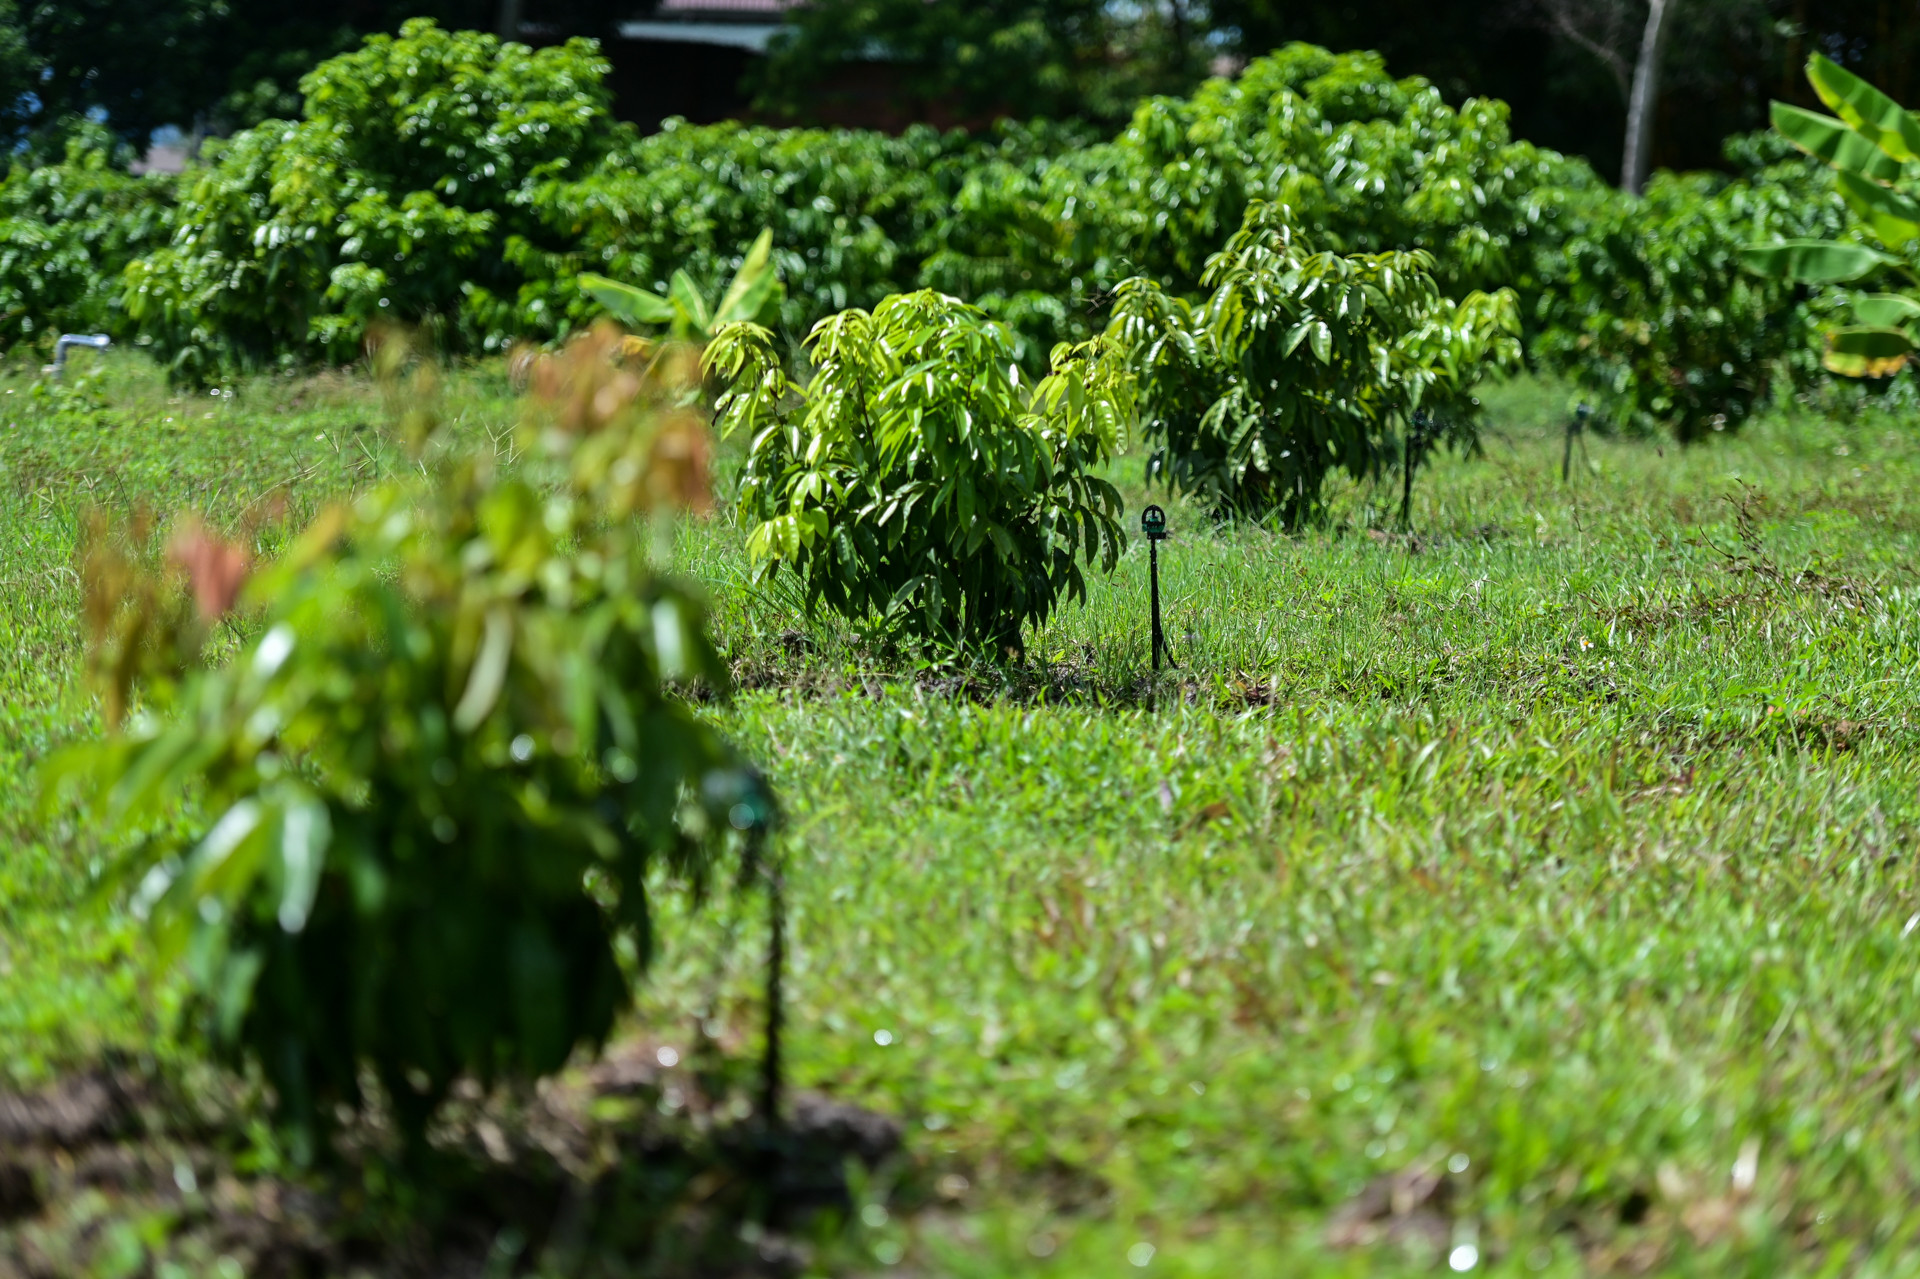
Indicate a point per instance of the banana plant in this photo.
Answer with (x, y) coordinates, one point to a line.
(1869, 141)
(755, 294)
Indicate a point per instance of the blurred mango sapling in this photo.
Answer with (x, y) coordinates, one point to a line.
(1871, 142)
(917, 481)
(437, 783)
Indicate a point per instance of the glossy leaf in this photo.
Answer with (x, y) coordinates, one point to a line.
(1886, 310)
(1872, 113)
(1894, 216)
(626, 303)
(1813, 261)
(1834, 141)
(1868, 351)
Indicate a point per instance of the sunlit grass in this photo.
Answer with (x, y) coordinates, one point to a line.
(1568, 846)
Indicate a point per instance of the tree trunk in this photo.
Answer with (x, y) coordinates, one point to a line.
(1645, 97)
(510, 19)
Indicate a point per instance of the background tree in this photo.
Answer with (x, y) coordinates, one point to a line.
(1566, 66)
(1648, 46)
(19, 69)
(217, 65)
(136, 62)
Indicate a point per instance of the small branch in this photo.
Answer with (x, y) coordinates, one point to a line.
(1608, 55)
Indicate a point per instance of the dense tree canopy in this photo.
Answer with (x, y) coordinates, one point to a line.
(217, 63)
(1562, 65)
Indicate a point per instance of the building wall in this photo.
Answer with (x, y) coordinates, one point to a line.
(652, 80)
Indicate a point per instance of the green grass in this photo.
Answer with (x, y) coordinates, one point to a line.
(1569, 846)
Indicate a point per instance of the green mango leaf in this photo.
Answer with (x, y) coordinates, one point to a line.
(1875, 115)
(1867, 351)
(627, 304)
(1835, 142)
(1894, 217)
(234, 990)
(215, 879)
(1812, 261)
(305, 830)
(489, 671)
(671, 639)
(224, 863)
(1885, 310)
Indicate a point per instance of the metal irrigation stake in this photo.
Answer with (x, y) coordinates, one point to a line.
(1576, 425)
(753, 813)
(1153, 522)
(97, 341)
(1420, 436)
(771, 1071)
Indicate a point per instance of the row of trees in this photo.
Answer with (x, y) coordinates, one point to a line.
(462, 185)
(427, 804)
(1583, 76)
(217, 64)
(1627, 83)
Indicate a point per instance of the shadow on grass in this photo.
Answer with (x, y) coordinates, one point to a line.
(626, 1167)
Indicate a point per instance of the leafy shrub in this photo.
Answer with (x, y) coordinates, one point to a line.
(467, 186)
(393, 200)
(440, 776)
(1371, 163)
(1870, 146)
(67, 231)
(1650, 312)
(1299, 362)
(454, 182)
(915, 480)
(853, 213)
(1638, 301)
(1036, 240)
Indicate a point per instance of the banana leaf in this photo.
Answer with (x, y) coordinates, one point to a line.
(1867, 351)
(752, 285)
(1885, 310)
(625, 303)
(691, 309)
(1894, 216)
(1812, 261)
(1834, 141)
(1876, 116)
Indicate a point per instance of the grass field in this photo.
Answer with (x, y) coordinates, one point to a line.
(1534, 895)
